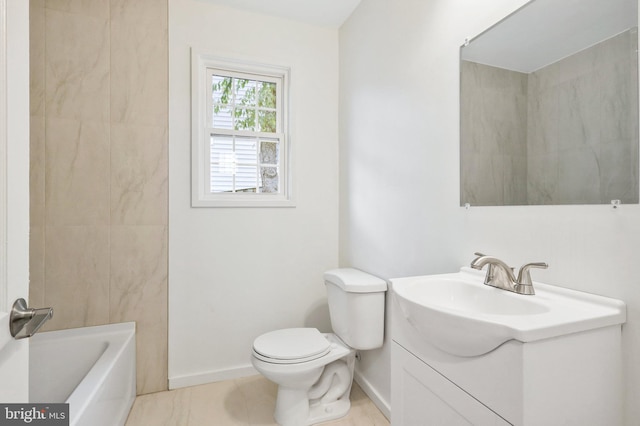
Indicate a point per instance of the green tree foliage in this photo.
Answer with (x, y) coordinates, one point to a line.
(244, 98)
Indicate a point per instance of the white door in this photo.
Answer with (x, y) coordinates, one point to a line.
(14, 192)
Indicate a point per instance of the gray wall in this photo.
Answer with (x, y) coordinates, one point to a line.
(493, 129)
(583, 126)
(564, 134)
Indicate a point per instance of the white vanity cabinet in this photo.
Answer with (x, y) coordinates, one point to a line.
(575, 379)
(422, 396)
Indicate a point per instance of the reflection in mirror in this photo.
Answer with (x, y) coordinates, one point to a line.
(549, 106)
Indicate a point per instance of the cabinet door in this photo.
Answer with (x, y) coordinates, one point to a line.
(423, 397)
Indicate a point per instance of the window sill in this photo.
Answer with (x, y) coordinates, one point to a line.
(221, 203)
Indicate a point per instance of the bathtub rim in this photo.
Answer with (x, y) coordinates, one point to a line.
(118, 336)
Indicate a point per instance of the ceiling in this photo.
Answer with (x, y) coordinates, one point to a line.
(326, 13)
(545, 31)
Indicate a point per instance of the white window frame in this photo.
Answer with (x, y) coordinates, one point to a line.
(201, 195)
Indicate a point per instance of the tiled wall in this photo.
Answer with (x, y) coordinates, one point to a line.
(99, 169)
(564, 134)
(493, 129)
(583, 126)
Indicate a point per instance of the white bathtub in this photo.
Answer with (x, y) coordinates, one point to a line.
(91, 368)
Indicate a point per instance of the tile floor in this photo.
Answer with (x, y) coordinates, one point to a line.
(246, 401)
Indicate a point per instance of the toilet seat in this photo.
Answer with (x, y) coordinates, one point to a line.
(291, 345)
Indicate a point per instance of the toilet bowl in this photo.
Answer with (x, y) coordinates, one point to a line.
(314, 370)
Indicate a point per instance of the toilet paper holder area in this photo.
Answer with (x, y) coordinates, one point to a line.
(25, 322)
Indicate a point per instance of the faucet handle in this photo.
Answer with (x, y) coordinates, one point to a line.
(478, 255)
(524, 276)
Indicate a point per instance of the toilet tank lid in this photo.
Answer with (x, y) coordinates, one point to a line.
(353, 280)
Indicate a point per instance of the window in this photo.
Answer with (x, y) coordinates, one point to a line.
(239, 136)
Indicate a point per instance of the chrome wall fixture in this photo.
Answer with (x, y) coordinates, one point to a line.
(25, 322)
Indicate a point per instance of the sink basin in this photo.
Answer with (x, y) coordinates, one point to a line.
(460, 315)
(455, 293)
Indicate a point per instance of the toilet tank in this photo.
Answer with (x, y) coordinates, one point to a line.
(356, 307)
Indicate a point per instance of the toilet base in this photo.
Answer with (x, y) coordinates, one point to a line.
(293, 408)
(314, 391)
(323, 413)
(327, 399)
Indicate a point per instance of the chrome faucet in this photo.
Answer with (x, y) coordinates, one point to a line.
(501, 275)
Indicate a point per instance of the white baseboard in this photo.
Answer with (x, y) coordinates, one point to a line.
(210, 377)
(373, 395)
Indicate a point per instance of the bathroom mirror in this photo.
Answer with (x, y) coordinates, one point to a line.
(549, 106)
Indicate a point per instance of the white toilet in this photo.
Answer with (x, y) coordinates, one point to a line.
(314, 370)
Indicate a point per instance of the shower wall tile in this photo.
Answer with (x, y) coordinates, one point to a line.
(139, 180)
(493, 135)
(139, 62)
(89, 8)
(36, 152)
(581, 121)
(152, 353)
(578, 176)
(138, 293)
(542, 119)
(583, 114)
(482, 180)
(37, 171)
(77, 172)
(36, 266)
(619, 105)
(542, 177)
(619, 169)
(77, 275)
(138, 175)
(99, 101)
(579, 112)
(36, 57)
(515, 178)
(77, 66)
